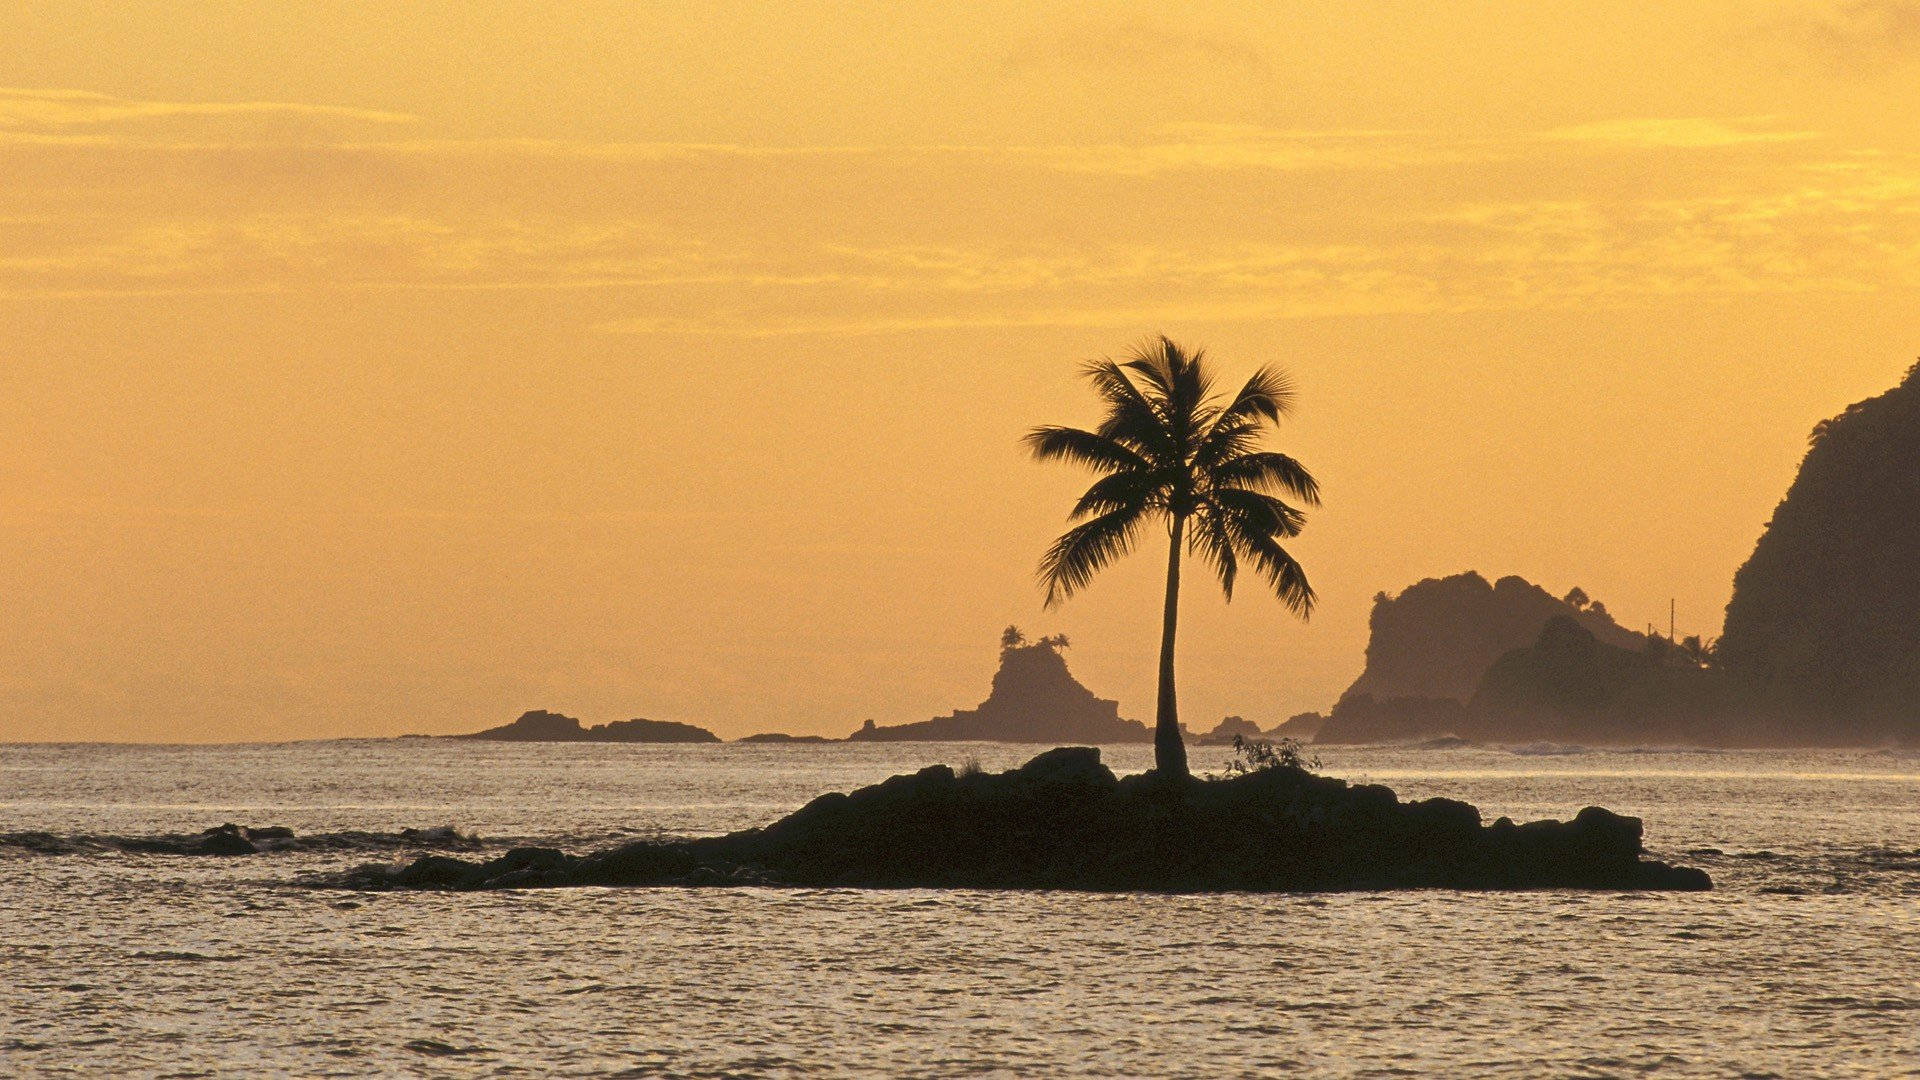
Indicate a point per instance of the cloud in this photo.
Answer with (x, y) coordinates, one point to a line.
(607, 151)
(857, 326)
(1196, 222)
(1680, 133)
(79, 120)
(58, 109)
(1229, 147)
(1837, 231)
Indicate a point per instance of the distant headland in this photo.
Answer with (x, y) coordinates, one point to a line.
(1821, 646)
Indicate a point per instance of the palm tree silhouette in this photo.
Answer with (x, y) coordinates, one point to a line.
(1169, 449)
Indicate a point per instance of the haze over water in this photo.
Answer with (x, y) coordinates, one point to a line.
(1800, 963)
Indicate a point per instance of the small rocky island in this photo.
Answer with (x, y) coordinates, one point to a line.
(1065, 821)
(1035, 699)
(543, 726)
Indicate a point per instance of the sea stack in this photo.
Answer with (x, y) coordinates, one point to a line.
(1035, 699)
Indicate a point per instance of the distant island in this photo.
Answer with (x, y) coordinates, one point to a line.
(1223, 733)
(542, 726)
(1035, 699)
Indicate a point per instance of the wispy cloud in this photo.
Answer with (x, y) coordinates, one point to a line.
(1235, 147)
(857, 326)
(1195, 222)
(44, 109)
(1839, 232)
(81, 119)
(1683, 133)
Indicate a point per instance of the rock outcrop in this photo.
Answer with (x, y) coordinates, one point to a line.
(1439, 636)
(230, 839)
(1431, 646)
(1223, 733)
(1571, 687)
(543, 726)
(1063, 821)
(1035, 699)
(1301, 727)
(1823, 631)
(1358, 718)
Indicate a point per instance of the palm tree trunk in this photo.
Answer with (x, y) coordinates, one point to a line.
(1169, 750)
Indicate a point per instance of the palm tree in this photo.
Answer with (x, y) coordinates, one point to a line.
(1168, 449)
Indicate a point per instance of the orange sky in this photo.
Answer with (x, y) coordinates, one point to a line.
(371, 369)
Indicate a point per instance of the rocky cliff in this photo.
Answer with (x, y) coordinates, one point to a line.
(1035, 699)
(1571, 687)
(1431, 646)
(1823, 632)
(1437, 638)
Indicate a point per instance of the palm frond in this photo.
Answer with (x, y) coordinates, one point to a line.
(1284, 574)
(1258, 511)
(1081, 552)
(1154, 363)
(1253, 539)
(1178, 382)
(1268, 395)
(1211, 540)
(1134, 489)
(1133, 418)
(1227, 439)
(1192, 383)
(1086, 448)
(1268, 471)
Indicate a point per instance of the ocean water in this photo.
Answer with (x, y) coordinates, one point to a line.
(119, 959)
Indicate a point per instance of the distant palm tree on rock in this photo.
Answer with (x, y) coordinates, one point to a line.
(1170, 450)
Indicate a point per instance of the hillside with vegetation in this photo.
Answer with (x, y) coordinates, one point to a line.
(1823, 632)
